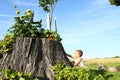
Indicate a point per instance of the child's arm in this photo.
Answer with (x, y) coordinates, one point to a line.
(78, 62)
(69, 55)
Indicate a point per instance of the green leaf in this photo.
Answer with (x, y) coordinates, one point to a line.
(12, 75)
(35, 79)
(21, 78)
(19, 74)
(115, 2)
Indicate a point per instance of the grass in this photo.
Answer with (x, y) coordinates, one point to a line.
(109, 62)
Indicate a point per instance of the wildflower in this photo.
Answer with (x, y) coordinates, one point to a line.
(28, 11)
(17, 12)
(28, 14)
(22, 17)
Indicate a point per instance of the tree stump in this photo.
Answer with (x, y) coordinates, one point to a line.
(36, 56)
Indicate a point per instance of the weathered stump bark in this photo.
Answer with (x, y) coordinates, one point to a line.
(36, 56)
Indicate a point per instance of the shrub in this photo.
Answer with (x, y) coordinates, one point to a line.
(51, 35)
(25, 26)
(6, 44)
(75, 73)
(15, 75)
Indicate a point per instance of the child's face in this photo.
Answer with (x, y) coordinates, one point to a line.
(77, 54)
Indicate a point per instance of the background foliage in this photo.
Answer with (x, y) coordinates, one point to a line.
(108, 62)
(46, 4)
(115, 2)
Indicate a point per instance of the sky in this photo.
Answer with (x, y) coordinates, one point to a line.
(90, 25)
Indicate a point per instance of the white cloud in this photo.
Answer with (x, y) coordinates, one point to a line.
(6, 15)
(5, 22)
(25, 3)
(97, 6)
(94, 29)
(99, 2)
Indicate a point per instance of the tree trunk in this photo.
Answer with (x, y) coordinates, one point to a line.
(36, 56)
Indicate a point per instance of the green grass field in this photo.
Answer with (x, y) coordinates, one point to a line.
(109, 62)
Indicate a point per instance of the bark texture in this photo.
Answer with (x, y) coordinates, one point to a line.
(36, 56)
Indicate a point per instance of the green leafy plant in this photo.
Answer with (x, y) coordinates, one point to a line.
(6, 44)
(16, 75)
(75, 73)
(51, 35)
(25, 26)
(115, 2)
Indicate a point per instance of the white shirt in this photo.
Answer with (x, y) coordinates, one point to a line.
(81, 64)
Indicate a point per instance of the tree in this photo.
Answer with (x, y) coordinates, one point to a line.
(48, 6)
(34, 55)
(115, 2)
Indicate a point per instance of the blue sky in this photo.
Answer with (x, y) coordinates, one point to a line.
(90, 25)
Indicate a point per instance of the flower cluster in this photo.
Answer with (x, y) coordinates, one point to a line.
(24, 25)
(17, 12)
(28, 13)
